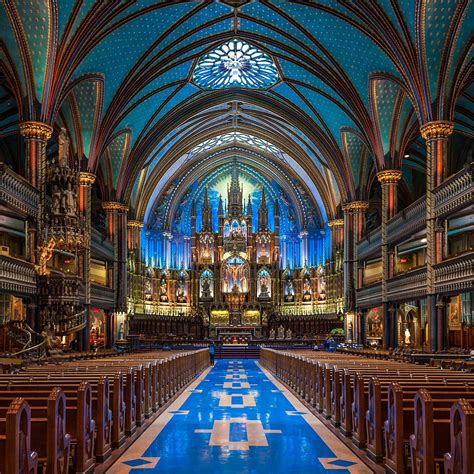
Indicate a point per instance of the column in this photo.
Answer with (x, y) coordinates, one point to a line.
(117, 231)
(389, 182)
(36, 135)
(86, 180)
(353, 232)
(436, 135)
(348, 258)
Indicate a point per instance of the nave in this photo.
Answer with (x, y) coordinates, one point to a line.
(237, 418)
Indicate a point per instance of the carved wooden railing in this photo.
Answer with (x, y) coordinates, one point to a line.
(71, 324)
(455, 274)
(59, 287)
(102, 296)
(17, 192)
(450, 196)
(33, 345)
(101, 246)
(370, 244)
(407, 286)
(17, 275)
(408, 221)
(454, 193)
(369, 295)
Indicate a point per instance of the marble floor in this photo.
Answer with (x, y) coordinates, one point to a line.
(237, 418)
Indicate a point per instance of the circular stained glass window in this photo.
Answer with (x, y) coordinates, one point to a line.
(235, 64)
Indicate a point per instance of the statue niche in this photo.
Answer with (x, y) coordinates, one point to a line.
(307, 292)
(181, 290)
(164, 288)
(63, 184)
(263, 285)
(206, 285)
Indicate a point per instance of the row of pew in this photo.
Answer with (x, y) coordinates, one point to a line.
(411, 418)
(70, 417)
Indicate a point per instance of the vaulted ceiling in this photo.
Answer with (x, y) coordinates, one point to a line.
(356, 80)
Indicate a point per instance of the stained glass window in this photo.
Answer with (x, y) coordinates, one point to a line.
(234, 138)
(235, 64)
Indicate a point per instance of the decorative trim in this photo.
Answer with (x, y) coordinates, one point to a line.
(135, 224)
(336, 223)
(86, 179)
(36, 130)
(356, 206)
(436, 130)
(389, 176)
(114, 206)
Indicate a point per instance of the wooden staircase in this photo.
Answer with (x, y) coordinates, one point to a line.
(237, 352)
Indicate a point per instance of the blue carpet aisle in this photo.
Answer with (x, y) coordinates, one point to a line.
(237, 419)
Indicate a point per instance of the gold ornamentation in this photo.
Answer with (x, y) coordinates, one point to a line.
(336, 223)
(437, 129)
(114, 206)
(36, 130)
(135, 224)
(86, 179)
(389, 176)
(356, 206)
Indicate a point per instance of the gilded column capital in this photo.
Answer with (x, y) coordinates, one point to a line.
(336, 223)
(389, 176)
(436, 129)
(114, 206)
(356, 206)
(36, 130)
(86, 178)
(134, 224)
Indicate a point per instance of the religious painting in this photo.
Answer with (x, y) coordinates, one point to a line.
(374, 324)
(454, 313)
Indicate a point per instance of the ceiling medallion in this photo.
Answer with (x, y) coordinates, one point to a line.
(235, 64)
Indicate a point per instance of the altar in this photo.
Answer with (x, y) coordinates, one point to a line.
(235, 335)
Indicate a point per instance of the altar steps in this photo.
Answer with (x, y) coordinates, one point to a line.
(238, 352)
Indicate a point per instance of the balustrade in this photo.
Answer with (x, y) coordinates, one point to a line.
(17, 192)
(454, 193)
(455, 274)
(407, 286)
(17, 275)
(370, 295)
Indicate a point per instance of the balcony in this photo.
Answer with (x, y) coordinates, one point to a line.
(452, 195)
(102, 296)
(370, 245)
(407, 222)
(17, 193)
(407, 286)
(370, 295)
(17, 276)
(455, 274)
(101, 247)
(455, 193)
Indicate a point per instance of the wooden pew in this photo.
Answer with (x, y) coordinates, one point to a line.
(460, 458)
(79, 424)
(16, 455)
(431, 437)
(49, 438)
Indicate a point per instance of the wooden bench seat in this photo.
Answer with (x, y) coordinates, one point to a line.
(16, 454)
